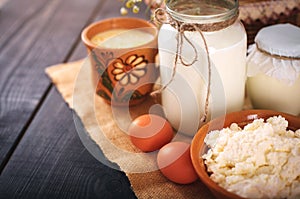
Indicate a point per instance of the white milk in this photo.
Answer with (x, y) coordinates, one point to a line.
(184, 98)
(122, 38)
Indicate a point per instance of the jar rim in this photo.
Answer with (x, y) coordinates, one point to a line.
(218, 12)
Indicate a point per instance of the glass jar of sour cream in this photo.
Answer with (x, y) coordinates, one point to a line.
(202, 53)
(273, 69)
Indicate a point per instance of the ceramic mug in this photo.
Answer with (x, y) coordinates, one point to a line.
(122, 75)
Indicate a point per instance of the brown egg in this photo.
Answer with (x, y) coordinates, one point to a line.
(150, 132)
(175, 163)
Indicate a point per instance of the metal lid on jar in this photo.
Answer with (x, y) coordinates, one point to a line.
(281, 40)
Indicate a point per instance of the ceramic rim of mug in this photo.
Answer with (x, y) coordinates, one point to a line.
(118, 22)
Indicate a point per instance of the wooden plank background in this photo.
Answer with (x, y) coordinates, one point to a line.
(41, 154)
(45, 35)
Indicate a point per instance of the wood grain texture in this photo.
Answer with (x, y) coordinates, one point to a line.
(38, 139)
(43, 35)
(51, 162)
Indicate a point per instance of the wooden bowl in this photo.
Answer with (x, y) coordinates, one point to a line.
(242, 118)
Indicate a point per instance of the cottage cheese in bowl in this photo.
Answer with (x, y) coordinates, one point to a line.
(262, 160)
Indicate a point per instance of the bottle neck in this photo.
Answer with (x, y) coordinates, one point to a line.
(202, 11)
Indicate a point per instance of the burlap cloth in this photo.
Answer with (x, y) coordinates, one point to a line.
(105, 126)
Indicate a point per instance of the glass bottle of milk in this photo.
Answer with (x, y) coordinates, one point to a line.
(202, 54)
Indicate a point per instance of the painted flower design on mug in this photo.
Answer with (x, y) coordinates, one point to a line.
(129, 71)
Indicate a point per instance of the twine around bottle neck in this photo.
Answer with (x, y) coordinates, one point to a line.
(164, 17)
(208, 27)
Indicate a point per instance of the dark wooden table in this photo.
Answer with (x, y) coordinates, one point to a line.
(41, 154)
